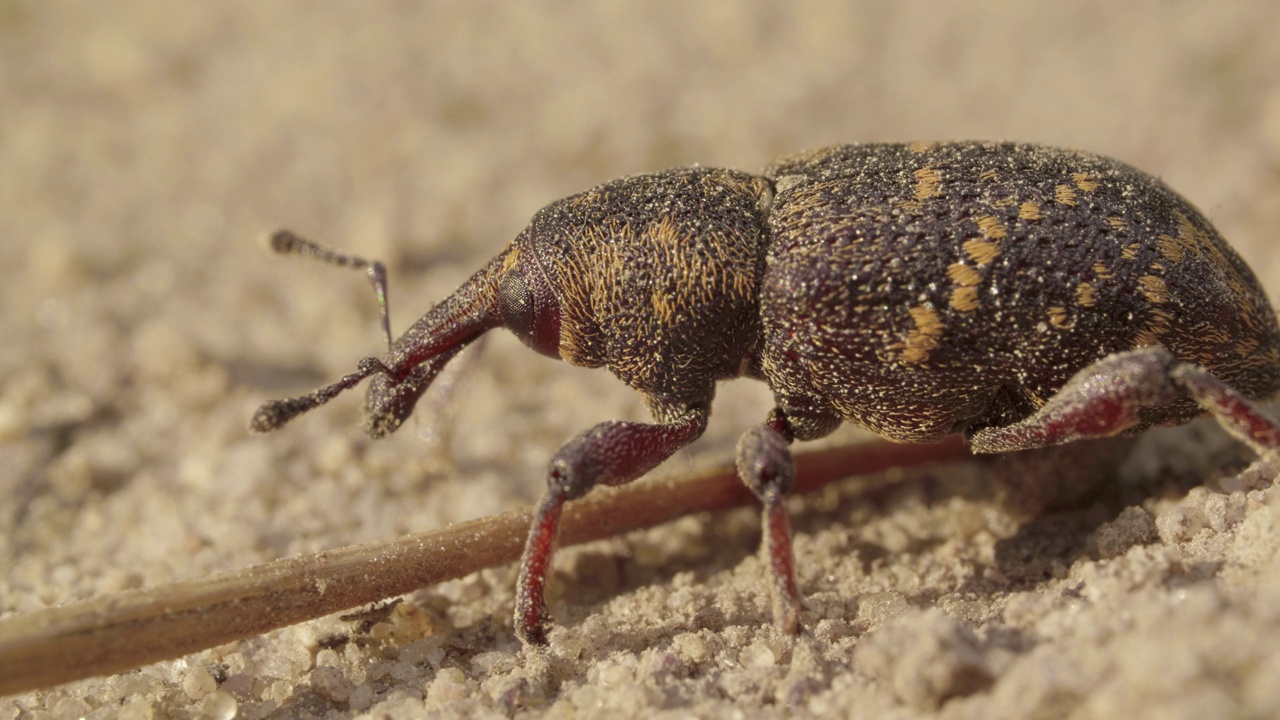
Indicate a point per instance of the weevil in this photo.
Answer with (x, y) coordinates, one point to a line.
(1022, 295)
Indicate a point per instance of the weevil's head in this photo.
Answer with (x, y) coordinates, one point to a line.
(655, 276)
(527, 304)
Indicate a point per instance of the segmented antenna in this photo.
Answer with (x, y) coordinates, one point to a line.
(286, 242)
(271, 415)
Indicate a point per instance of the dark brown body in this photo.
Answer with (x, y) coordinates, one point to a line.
(917, 290)
(1024, 296)
(921, 290)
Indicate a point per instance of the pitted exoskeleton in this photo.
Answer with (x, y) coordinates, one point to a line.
(1022, 295)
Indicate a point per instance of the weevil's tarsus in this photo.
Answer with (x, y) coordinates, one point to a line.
(611, 453)
(531, 618)
(287, 242)
(786, 599)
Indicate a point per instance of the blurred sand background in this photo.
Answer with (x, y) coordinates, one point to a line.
(144, 145)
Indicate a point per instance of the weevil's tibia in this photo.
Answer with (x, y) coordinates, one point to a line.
(1106, 398)
(611, 453)
(765, 466)
(286, 242)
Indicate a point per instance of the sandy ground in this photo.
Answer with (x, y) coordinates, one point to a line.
(144, 145)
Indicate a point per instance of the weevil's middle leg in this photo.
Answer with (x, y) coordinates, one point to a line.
(765, 465)
(611, 453)
(1104, 400)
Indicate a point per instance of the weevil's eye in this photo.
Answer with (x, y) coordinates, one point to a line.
(529, 308)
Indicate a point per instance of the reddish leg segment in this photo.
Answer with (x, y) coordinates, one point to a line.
(1239, 416)
(765, 465)
(1104, 399)
(611, 453)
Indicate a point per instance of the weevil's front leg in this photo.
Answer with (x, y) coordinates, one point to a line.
(611, 453)
(1104, 399)
(765, 465)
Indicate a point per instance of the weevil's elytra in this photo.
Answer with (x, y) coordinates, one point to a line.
(1022, 295)
(965, 284)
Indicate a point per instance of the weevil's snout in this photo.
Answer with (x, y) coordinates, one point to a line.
(512, 291)
(425, 348)
(389, 401)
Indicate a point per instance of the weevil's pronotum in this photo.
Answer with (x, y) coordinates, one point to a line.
(1025, 296)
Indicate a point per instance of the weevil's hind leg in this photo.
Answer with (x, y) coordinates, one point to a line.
(287, 242)
(765, 465)
(1104, 399)
(1242, 418)
(611, 453)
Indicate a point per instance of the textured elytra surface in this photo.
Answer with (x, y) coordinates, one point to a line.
(920, 289)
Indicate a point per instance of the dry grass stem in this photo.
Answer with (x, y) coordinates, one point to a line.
(132, 629)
